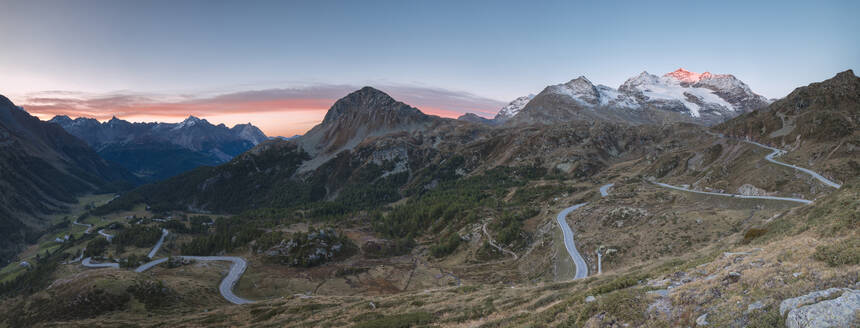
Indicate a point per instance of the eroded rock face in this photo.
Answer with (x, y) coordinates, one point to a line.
(750, 190)
(809, 310)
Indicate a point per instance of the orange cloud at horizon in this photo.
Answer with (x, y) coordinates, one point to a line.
(282, 117)
(285, 123)
(277, 112)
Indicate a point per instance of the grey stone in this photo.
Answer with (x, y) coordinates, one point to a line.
(838, 312)
(702, 320)
(661, 309)
(755, 306)
(659, 292)
(813, 297)
(590, 299)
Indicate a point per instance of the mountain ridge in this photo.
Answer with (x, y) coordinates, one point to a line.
(44, 169)
(364, 113)
(680, 95)
(155, 150)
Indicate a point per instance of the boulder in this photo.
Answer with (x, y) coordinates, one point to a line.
(811, 298)
(702, 320)
(839, 312)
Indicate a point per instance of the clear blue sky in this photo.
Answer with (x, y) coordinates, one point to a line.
(491, 49)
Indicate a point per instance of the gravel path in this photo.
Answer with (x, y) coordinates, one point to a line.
(493, 243)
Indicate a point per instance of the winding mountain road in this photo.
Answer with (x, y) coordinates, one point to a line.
(604, 190)
(108, 236)
(227, 284)
(778, 152)
(225, 288)
(578, 260)
(80, 257)
(581, 266)
(89, 226)
(769, 158)
(789, 199)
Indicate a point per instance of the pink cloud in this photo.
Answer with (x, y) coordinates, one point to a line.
(276, 111)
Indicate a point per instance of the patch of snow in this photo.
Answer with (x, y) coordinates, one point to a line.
(515, 106)
(610, 96)
(670, 88)
(579, 88)
(188, 122)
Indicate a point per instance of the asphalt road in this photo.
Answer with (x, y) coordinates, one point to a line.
(581, 266)
(158, 244)
(89, 226)
(150, 264)
(604, 190)
(789, 199)
(87, 262)
(777, 152)
(108, 236)
(227, 284)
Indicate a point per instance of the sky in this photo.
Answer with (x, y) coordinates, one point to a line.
(281, 64)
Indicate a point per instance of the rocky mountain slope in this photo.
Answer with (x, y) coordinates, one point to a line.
(455, 224)
(363, 114)
(371, 149)
(42, 169)
(513, 108)
(472, 118)
(155, 151)
(817, 123)
(367, 140)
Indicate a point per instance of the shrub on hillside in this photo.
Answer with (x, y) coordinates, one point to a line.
(845, 252)
(753, 233)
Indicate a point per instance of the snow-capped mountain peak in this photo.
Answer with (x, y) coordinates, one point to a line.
(643, 78)
(189, 122)
(686, 76)
(704, 97)
(579, 88)
(513, 107)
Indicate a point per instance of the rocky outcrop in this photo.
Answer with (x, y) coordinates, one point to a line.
(365, 113)
(820, 309)
(750, 190)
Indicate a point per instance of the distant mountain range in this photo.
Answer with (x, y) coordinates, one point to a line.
(677, 96)
(155, 151)
(411, 193)
(368, 138)
(42, 170)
